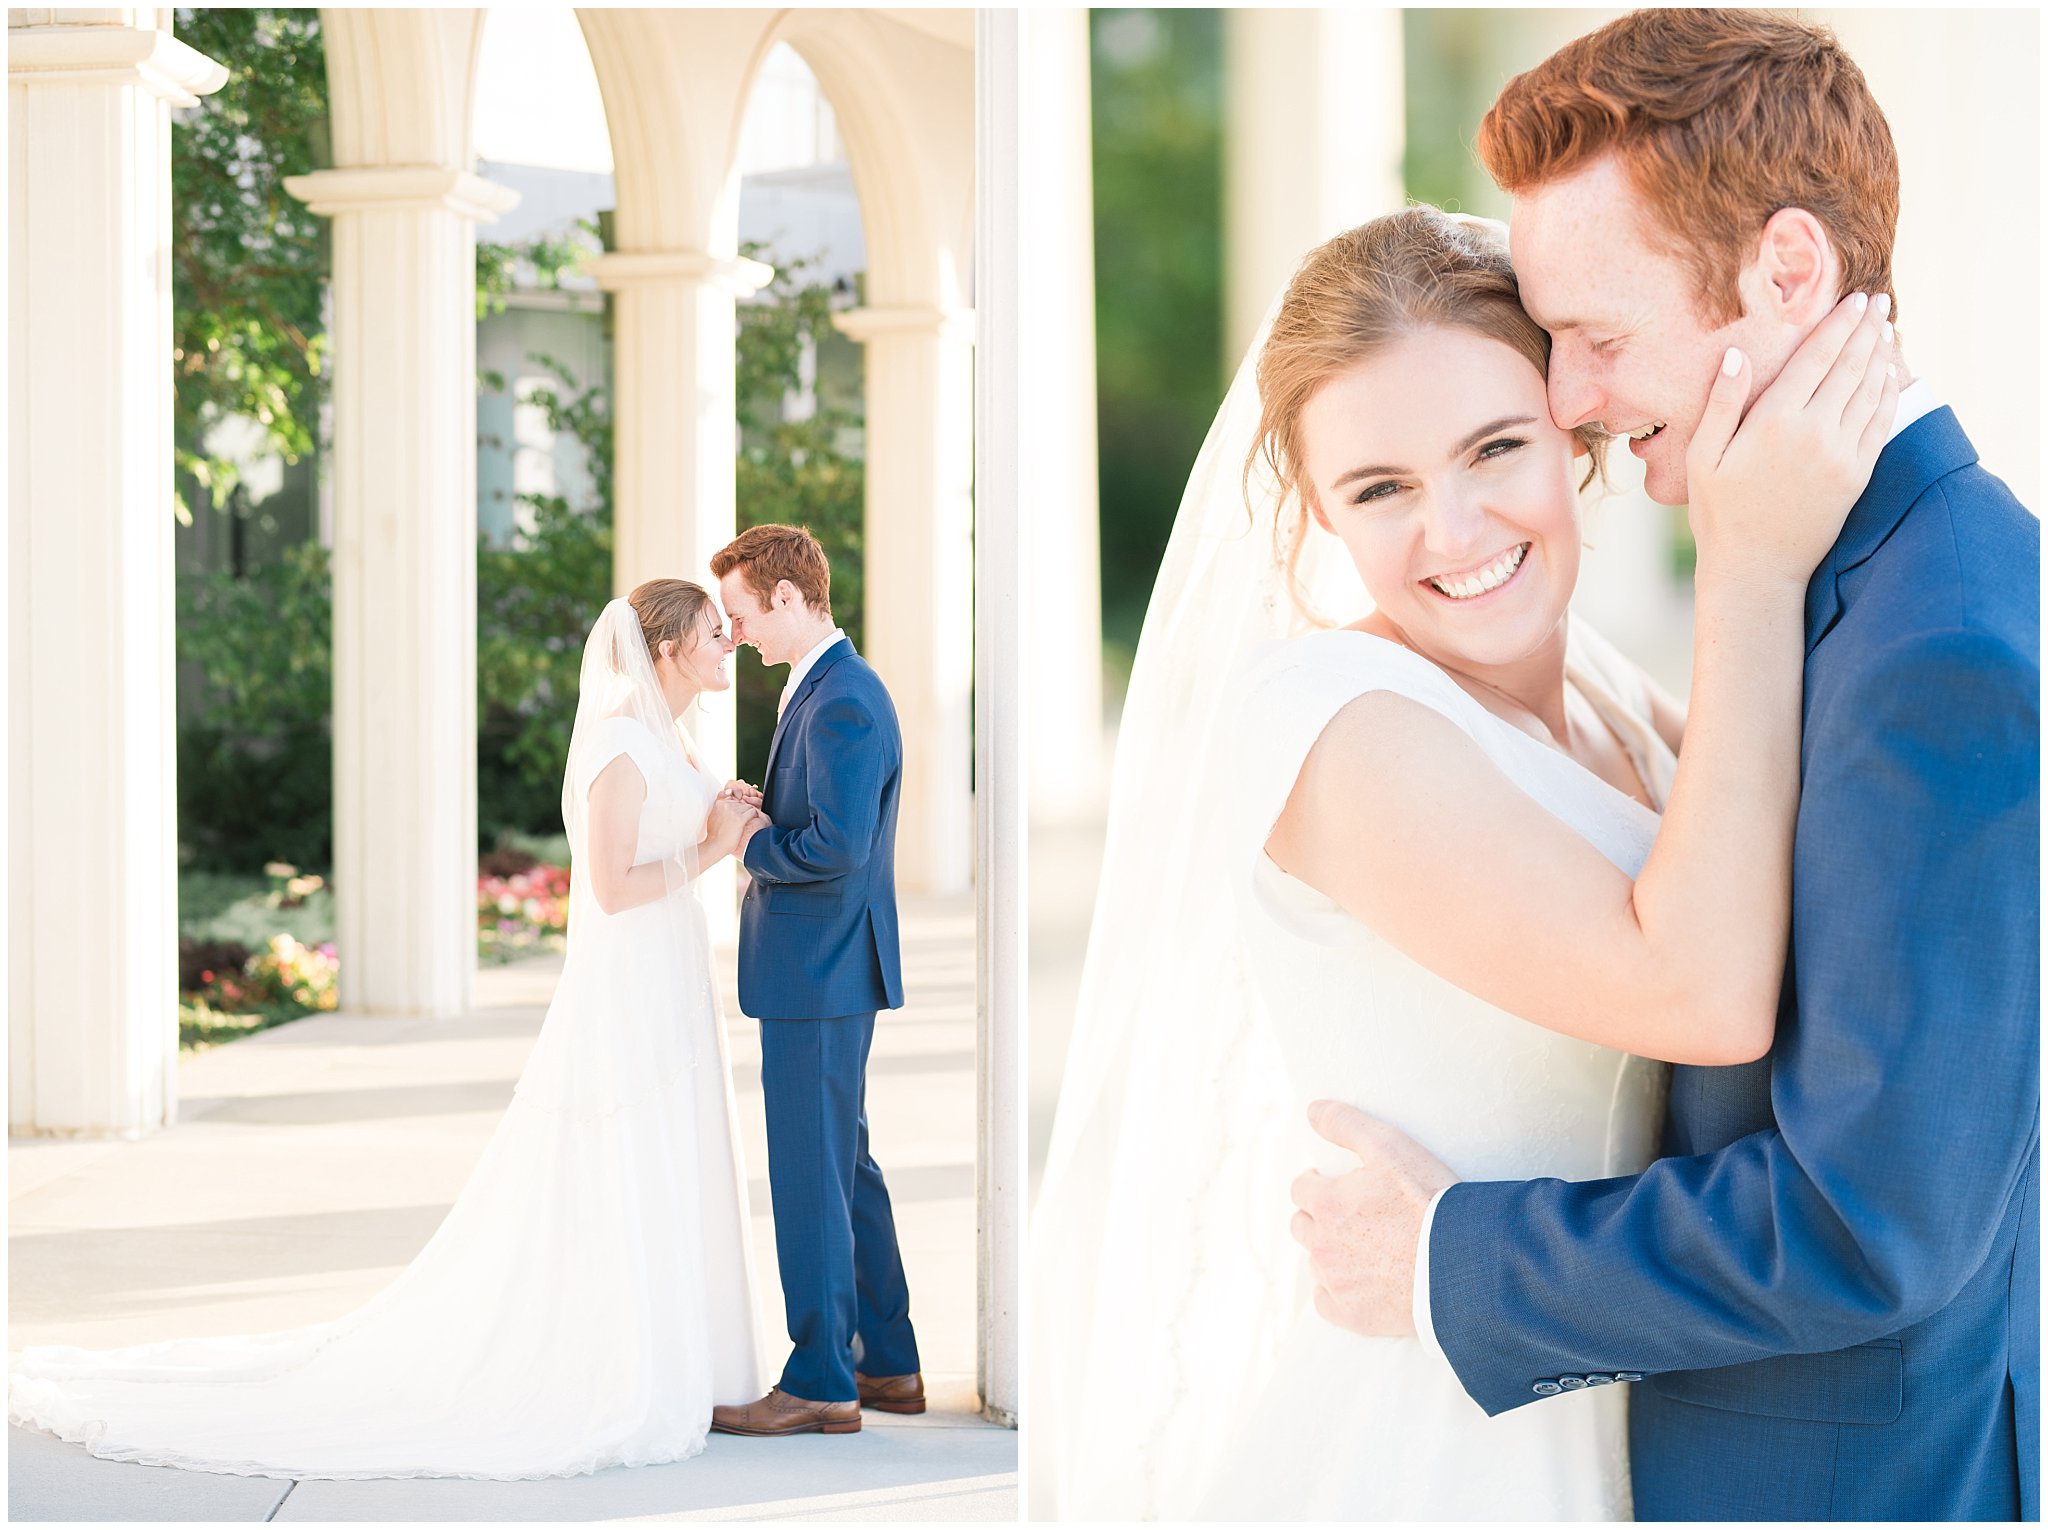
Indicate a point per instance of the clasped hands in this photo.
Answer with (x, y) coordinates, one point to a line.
(736, 816)
(1361, 1227)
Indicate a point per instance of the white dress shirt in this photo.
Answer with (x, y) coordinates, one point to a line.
(1915, 401)
(803, 667)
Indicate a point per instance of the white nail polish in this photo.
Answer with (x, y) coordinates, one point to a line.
(1887, 332)
(1731, 363)
(1884, 302)
(1860, 302)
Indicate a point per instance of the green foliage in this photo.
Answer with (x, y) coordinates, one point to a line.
(1157, 97)
(541, 261)
(254, 920)
(248, 260)
(262, 642)
(249, 264)
(1450, 82)
(204, 895)
(795, 472)
(255, 766)
(535, 602)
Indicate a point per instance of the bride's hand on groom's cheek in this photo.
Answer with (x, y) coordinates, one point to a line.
(1361, 1227)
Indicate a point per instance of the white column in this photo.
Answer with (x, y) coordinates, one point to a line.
(1962, 92)
(674, 412)
(92, 805)
(1313, 140)
(918, 570)
(404, 463)
(1001, 770)
(1056, 366)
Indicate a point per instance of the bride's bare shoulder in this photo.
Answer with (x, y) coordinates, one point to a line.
(1385, 733)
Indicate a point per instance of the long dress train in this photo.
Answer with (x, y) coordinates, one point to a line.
(586, 1301)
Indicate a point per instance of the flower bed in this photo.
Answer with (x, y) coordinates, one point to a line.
(246, 963)
(520, 911)
(224, 998)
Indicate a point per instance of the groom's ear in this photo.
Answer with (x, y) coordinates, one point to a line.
(1796, 276)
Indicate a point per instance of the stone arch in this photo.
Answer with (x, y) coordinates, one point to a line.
(903, 89)
(674, 85)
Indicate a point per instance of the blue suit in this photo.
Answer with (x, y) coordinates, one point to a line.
(818, 957)
(1831, 1284)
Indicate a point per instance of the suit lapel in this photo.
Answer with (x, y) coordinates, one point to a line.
(1932, 447)
(826, 660)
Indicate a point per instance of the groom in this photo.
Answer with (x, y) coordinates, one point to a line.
(1828, 1293)
(818, 958)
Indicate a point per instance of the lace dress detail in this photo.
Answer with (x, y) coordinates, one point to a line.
(1348, 1427)
(585, 1302)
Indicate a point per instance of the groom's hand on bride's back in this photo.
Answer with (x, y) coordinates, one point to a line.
(1361, 1227)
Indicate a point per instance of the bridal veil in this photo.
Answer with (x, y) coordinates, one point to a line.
(1162, 1272)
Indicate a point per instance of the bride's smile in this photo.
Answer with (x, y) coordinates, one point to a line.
(1483, 580)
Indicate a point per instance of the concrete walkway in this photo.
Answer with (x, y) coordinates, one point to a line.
(312, 1161)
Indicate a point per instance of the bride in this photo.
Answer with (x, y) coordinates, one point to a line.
(1341, 863)
(588, 1298)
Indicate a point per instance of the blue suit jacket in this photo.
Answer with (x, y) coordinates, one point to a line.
(818, 925)
(1831, 1285)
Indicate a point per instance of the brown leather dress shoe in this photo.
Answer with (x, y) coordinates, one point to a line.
(780, 1413)
(891, 1394)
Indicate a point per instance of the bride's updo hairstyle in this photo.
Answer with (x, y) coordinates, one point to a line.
(669, 611)
(1416, 269)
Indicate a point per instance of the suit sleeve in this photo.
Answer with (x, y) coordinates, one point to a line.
(1906, 1090)
(845, 768)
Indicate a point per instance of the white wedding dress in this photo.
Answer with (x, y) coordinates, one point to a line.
(1353, 1428)
(587, 1299)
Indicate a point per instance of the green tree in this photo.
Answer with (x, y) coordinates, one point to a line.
(541, 261)
(1157, 96)
(255, 758)
(806, 470)
(1447, 90)
(248, 260)
(535, 600)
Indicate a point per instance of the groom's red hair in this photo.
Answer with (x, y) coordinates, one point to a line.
(767, 555)
(1720, 118)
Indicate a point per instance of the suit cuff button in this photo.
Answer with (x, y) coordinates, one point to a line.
(1593, 1379)
(1628, 1375)
(1572, 1383)
(1546, 1389)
